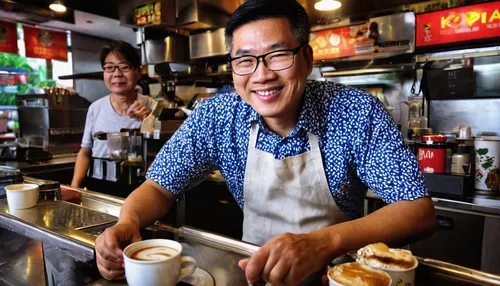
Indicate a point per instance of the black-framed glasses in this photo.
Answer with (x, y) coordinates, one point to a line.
(112, 68)
(275, 61)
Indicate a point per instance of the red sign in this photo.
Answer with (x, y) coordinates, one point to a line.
(45, 44)
(474, 22)
(341, 42)
(8, 38)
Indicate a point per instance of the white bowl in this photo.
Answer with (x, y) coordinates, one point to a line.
(22, 196)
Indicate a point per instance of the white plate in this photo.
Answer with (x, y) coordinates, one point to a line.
(200, 278)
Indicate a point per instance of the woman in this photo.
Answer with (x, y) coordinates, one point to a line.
(123, 108)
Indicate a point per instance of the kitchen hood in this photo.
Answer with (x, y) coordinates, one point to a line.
(185, 14)
(193, 15)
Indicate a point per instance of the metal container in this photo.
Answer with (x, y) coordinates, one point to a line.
(172, 49)
(487, 165)
(207, 44)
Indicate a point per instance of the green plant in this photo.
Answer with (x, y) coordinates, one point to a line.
(14, 61)
(37, 75)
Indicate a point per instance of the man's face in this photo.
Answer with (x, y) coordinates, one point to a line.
(273, 94)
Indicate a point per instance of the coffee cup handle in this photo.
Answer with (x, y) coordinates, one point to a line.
(190, 267)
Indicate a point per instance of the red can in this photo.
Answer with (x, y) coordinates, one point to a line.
(432, 153)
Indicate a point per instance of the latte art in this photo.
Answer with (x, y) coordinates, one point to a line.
(154, 253)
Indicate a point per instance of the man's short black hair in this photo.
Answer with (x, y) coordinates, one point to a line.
(122, 50)
(254, 10)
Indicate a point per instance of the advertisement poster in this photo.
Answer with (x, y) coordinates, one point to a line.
(149, 13)
(45, 44)
(8, 38)
(342, 42)
(468, 23)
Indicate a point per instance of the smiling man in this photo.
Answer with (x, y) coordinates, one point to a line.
(296, 155)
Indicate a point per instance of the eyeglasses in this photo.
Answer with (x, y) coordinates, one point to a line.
(275, 61)
(111, 68)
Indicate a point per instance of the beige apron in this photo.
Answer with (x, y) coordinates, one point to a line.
(289, 195)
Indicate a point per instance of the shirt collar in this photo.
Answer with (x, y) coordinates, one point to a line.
(306, 120)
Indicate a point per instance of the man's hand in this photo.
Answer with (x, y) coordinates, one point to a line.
(288, 259)
(138, 111)
(108, 249)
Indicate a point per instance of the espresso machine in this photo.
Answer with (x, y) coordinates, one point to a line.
(123, 170)
(51, 121)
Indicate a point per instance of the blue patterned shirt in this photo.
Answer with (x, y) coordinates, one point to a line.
(361, 146)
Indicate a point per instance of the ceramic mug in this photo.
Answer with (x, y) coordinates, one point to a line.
(156, 262)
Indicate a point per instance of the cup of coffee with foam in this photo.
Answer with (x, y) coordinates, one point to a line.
(156, 262)
(400, 264)
(354, 274)
(22, 196)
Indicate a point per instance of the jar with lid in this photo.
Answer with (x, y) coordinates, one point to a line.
(487, 164)
(432, 153)
(416, 120)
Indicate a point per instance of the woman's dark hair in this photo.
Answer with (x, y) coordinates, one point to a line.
(254, 10)
(122, 50)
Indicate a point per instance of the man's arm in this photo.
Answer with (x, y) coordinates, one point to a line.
(289, 258)
(148, 203)
(396, 224)
(81, 166)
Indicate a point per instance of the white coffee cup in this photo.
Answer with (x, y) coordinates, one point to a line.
(402, 276)
(22, 196)
(160, 266)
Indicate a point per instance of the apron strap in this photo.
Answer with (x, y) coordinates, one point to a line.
(254, 132)
(313, 142)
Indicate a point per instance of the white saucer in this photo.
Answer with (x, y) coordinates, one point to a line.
(199, 278)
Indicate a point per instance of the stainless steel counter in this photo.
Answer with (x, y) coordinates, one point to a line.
(24, 166)
(67, 232)
(479, 204)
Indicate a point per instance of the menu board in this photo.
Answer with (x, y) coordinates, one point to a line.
(341, 42)
(467, 23)
(451, 83)
(148, 14)
(45, 44)
(8, 38)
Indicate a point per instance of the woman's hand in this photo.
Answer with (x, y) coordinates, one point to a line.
(138, 111)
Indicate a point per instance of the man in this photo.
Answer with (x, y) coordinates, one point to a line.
(291, 153)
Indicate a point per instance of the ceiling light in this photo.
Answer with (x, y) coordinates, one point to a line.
(327, 5)
(57, 6)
